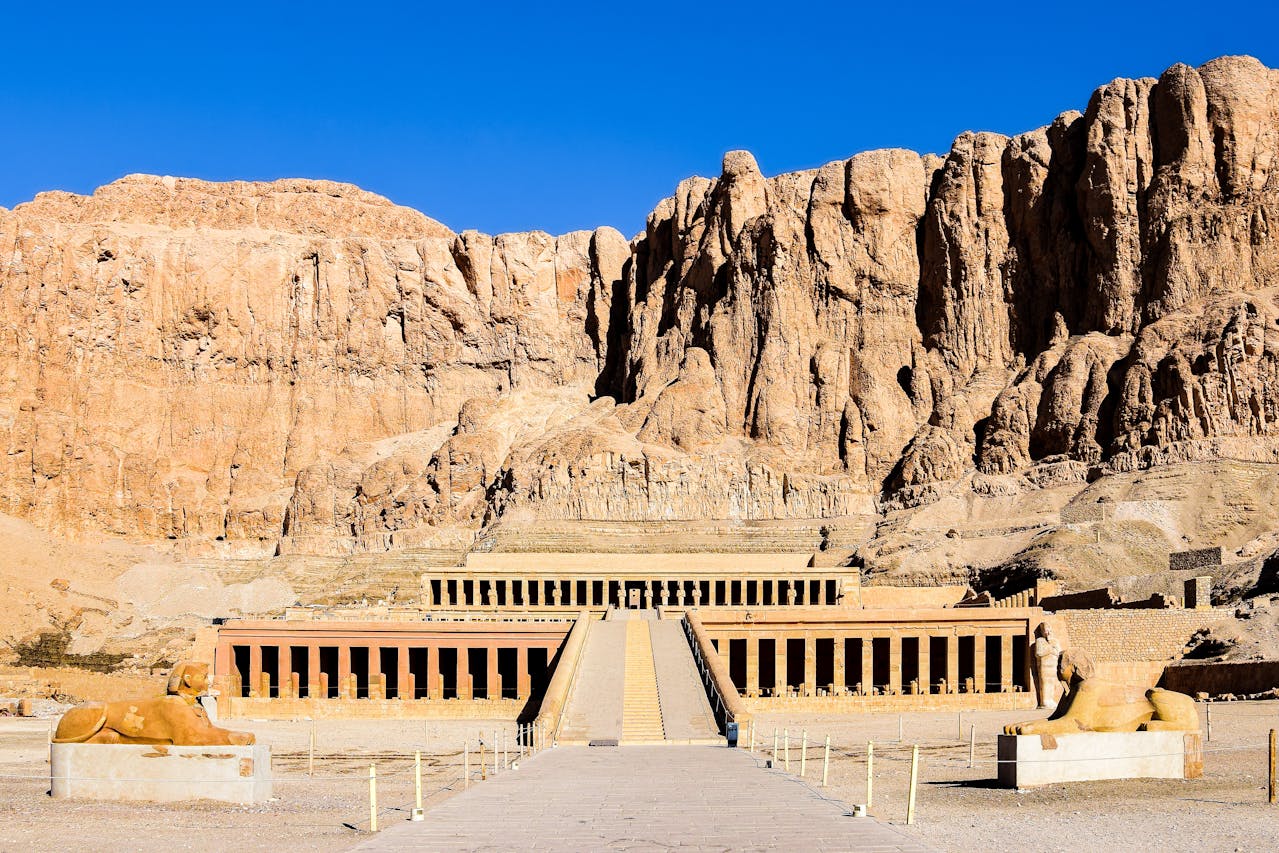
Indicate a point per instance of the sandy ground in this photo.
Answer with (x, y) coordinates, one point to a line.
(958, 809)
(327, 811)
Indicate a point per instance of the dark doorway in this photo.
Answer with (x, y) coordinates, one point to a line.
(967, 660)
(419, 667)
(910, 663)
(477, 666)
(360, 669)
(794, 662)
(936, 662)
(300, 663)
(853, 674)
(448, 672)
(825, 662)
(329, 669)
(737, 663)
(879, 663)
(240, 656)
(271, 668)
(767, 666)
(508, 670)
(389, 660)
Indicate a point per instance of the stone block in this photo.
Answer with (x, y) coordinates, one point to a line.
(1029, 760)
(161, 774)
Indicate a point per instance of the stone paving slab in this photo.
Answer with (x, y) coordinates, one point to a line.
(642, 798)
(594, 707)
(686, 712)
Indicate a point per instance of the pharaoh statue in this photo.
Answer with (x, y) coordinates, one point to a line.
(1092, 704)
(1047, 652)
(175, 718)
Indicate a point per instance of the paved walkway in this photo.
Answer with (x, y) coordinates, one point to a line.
(641, 798)
(594, 707)
(686, 712)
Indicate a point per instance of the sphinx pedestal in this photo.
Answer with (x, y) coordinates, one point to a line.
(1029, 760)
(99, 771)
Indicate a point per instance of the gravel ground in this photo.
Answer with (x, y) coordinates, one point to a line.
(960, 809)
(327, 811)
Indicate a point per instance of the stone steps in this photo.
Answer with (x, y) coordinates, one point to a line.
(641, 708)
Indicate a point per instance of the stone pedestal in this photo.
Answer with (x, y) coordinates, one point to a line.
(1029, 760)
(100, 771)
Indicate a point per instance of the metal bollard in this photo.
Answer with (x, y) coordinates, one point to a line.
(803, 754)
(870, 773)
(826, 762)
(914, 778)
(372, 798)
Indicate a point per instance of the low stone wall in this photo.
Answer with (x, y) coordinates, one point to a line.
(375, 709)
(1135, 636)
(160, 774)
(1220, 678)
(890, 704)
(1029, 760)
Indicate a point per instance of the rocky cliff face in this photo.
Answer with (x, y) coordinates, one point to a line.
(305, 367)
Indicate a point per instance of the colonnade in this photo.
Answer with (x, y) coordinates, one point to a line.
(884, 662)
(462, 590)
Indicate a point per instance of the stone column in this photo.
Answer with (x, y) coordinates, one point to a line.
(557, 593)
(313, 672)
(779, 665)
(868, 665)
(925, 666)
(523, 680)
(255, 669)
(462, 676)
(344, 671)
(494, 678)
(572, 593)
(840, 675)
(402, 675)
(752, 666)
(791, 592)
(666, 593)
(434, 677)
(952, 663)
(1005, 663)
(895, 664)
(426, 591)
(810, 664)
(697, 593)
(445, 601)
(979, 663)
(821, 592)
(679, 592)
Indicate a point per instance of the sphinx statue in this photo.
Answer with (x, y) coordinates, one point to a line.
(1092, 704)
(175, 718)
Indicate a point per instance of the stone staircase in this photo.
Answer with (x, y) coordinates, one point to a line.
(641, 707)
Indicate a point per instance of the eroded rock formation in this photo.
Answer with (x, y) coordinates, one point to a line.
(304, 367)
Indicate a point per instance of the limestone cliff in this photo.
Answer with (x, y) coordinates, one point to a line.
(304, 367)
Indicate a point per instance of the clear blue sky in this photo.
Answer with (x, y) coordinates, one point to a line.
(553, 116)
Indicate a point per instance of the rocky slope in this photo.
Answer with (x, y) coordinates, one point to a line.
(304, 368)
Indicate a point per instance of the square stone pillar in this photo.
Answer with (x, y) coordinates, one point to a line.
(426, 591)
(434, 678)
(821, 593)
(523, 680)
(494, 678)
(895, 664)
(402, 676)
(344, 671)
(445, 601)
(979, 663)
(925, 666)
(868, 665)
(313, 673)
(779, 665)
(810, 664)
(952, 663)
(255, 669)
(840, 669)
(463, 678)
(1005, 664)
(752, 666)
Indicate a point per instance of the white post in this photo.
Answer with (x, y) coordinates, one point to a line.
(372, 798)
(826, 762)
(914, 777)
(803, 753)
(959, 725)
(972, 744)
(870, 773)
(417, 779)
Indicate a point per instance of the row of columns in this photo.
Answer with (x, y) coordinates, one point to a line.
(469, 591)
(923, 684)
(318, 686)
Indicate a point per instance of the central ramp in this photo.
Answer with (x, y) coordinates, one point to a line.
(642, 798)
(641, 710)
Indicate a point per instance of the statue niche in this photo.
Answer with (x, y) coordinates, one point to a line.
(1092, 704)
(175, 718)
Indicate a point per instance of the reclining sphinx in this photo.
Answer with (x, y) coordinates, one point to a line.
(1092, 704)
(175, 718)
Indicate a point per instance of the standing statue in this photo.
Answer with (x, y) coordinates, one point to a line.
(1047, 652)
(175, 718)
(1093, 704)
